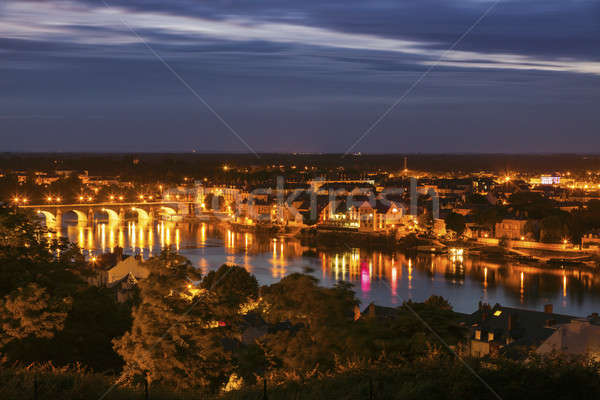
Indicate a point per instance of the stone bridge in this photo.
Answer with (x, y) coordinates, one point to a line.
(115, 212)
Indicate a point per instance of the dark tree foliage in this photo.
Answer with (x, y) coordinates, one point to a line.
(531, 205)
(456, 222)
(47, 310)
(232, 286)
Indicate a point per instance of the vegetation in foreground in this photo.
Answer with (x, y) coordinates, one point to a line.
(221, 335)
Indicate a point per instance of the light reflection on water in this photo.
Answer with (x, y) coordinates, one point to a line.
(386, 279)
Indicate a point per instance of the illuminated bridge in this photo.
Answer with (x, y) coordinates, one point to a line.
(115, 212)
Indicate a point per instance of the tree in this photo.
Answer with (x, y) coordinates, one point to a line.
(456, 222)
(489, 216)
(175, 338)
(232, 288)
(531, 205)
(30, 312)
(312, 320)
(553, 229)
(38, 280)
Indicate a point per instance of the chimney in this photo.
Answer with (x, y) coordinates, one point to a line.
(372, 310)
(548, 308)
(356, 313)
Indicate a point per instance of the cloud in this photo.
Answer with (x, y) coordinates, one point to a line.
(72, 22)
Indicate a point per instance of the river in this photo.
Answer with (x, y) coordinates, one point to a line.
(384, 278)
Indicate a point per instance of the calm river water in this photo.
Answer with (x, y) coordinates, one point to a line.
(386, 279)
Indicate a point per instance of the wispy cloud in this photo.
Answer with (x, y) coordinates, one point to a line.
(65, 21)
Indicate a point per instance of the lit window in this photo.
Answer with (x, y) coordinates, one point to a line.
(497, 313)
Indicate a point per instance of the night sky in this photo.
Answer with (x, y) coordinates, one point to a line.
(299, 75)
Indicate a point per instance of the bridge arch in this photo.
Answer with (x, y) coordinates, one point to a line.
(143, 215)
(82, 217)
(48, 216)
(168, 210)
(113, 216)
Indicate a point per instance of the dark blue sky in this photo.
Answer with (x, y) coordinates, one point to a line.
(299, 76)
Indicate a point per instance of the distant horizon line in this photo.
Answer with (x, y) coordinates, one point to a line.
(358, 154)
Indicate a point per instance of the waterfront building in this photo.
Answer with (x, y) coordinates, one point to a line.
(510, 228)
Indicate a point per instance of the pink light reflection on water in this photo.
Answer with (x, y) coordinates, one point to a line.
(365, 277)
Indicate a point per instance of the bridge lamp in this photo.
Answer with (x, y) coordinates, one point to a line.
(80, 198)
(16, 199)
(141, 197)
(112, 197)
(58, 199)
(120, 197)
(150, 197)
(25, 200)
(49, 198)
(89, 198)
